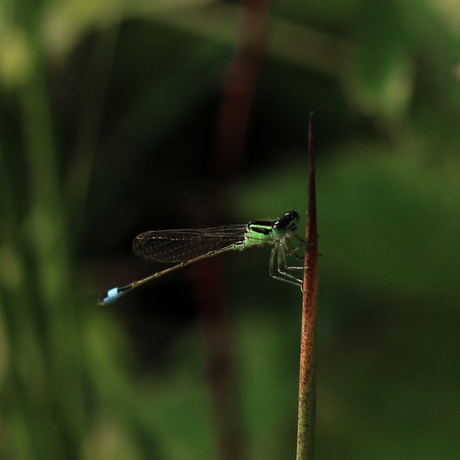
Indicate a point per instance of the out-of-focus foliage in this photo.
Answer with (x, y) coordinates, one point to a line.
(108, 118)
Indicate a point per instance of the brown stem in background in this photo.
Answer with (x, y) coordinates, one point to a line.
(240, 87)
(239, 90)
(307, 378)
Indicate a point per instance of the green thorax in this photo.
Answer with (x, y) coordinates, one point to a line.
(260, 232)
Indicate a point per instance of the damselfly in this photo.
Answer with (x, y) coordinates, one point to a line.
(185, 246)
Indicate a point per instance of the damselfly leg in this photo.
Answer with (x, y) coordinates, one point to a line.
(282, 252)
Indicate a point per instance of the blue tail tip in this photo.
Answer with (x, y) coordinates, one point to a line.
(109, 297)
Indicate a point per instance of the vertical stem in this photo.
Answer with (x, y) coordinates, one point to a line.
(240, 87)
(53, 301)
(239, 91)
(307, 379)
(95, 86)
(220, 367)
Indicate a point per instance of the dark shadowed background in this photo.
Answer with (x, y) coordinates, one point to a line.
(119, 117)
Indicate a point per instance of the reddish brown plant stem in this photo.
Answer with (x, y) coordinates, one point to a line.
(307, 378)
(239, 90)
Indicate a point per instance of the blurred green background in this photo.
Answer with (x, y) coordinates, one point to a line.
(109, 118)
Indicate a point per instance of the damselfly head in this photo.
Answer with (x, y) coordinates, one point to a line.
(288, 221)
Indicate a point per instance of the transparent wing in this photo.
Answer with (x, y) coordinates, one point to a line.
(185, 244)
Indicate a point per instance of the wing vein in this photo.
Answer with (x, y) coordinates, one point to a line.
(185, 244)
